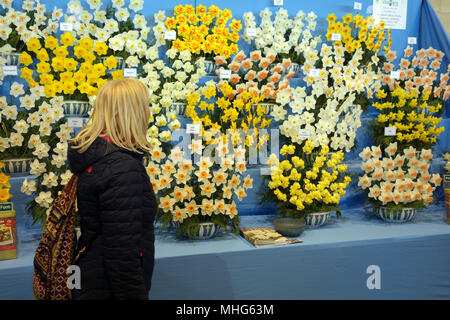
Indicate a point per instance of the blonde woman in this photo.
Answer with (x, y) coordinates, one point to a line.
(116, 202)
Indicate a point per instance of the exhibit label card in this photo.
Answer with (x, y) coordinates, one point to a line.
(314, 73)
(412, 40)
(392, 12)
(357, 5)
(390, 131)
(336, 37)
(9, 70)
(277, 2)
(65, 26)
(250, 32)
(304, 134)
(75, 122)
(193, 128)
(170, 35)
(225, 74)
(130, 73)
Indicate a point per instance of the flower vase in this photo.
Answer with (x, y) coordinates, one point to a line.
(210, 67)
(120, 63)
(12, 59)
(17, 167)
(396, 216)
(295, 68)
(289, 227)
(76, 108)
(268, 107)
(317, 219)
(206, 230)
(179, 108)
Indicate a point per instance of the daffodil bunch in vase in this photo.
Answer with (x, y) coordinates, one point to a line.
(283, 35)
(18, 27)
(307, 190)
(397, 183)
(411, 101)
(204, 32)
(260, 75)
(68, 69)
(197, 197)
(227, 120)
(124, 29)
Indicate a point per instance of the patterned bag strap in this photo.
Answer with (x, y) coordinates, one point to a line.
(62, 205)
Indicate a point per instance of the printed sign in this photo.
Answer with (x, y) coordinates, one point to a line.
(392, 12)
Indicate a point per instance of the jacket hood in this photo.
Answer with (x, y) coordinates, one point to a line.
(79, 162)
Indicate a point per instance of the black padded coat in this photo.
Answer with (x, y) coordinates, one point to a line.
(117, 208)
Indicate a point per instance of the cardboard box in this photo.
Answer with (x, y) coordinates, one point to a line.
(8, 232)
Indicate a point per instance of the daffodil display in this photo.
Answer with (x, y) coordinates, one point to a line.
(203, 31)
(5, 186)
(411, 101)
(68, 69)
(222, 114)
(285, 36)
(259, 74)
(190, 192)
(300, 187)
(397, 179)
(356, 32)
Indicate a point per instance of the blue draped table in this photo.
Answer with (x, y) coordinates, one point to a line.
(330, 263)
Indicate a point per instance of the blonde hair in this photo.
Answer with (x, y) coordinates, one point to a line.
(121, 114)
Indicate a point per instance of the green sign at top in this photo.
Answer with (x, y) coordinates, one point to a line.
(7, 206)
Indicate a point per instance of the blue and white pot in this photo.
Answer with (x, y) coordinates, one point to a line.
(17, 167)
(120, 63)
(12, 59)
(317, 219)
(206, 230)
(295, 67)
(179, 108)
(75, 108)
(210, 67)
(268, 107)
(398, 216)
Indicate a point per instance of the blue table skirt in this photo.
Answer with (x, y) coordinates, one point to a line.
(331, 263)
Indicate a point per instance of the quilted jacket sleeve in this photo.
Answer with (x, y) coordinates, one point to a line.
(121, 205)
